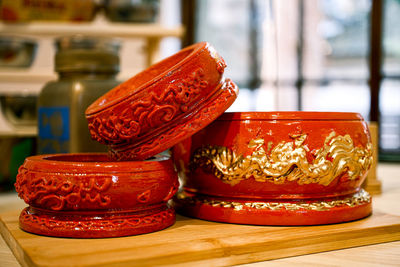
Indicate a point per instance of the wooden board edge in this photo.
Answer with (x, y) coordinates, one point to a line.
(14, 246)
(226, 255)
(326, 246)
(243, 255)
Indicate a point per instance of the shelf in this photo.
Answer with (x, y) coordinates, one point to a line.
(24, 132)
(105, 29)
(42, 77)
(19, 76)
(152, 32)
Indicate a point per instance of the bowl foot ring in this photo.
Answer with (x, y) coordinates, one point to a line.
(275, 212)
(90, 225)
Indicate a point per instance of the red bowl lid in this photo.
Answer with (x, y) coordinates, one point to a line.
(163, 104)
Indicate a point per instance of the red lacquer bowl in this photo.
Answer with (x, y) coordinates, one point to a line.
(276, 168)
(162, 105)
(89, 196)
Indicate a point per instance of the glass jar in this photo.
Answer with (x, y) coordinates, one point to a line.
(87, 68)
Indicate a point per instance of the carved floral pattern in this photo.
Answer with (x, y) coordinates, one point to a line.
(287, 161)
(196, 122)
(172, 191)
(149, 112)
(58, 193)
(221, 65)
(144, 197)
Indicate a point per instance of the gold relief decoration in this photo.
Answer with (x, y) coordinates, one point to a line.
(287, 161)
(360, 198)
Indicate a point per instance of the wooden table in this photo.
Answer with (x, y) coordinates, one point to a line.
(373, 255)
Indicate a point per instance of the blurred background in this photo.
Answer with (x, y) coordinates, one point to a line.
(314, 55)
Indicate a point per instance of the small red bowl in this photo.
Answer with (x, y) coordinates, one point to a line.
(151, 112)
(276, 168)
(89, 196)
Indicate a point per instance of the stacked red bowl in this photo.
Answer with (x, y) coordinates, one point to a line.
(162, 105)
(126, 191)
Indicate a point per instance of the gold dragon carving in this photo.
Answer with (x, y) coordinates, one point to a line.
(287, 161)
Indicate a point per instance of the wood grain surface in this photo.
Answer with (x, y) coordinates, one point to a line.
(196, 242)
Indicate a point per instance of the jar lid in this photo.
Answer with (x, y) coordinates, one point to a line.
(162, 105)
(86, 54)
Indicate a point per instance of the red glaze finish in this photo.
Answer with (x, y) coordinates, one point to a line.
(89, 196)
(151, 112)
(276, 158)
(180, 130)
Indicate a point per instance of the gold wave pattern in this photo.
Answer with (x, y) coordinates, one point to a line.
(287, 161)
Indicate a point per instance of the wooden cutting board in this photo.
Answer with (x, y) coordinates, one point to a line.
(196, 243)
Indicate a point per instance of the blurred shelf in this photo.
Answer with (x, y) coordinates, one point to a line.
(28, 132)
(153, 33)
(123, 30)
(41, 77)
(21, 76)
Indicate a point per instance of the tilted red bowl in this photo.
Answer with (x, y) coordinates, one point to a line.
(162, 105)
(290, 163)
(87, 195)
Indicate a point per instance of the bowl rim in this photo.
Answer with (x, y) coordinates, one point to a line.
(291, 116)
(93, 163)
(119, 93)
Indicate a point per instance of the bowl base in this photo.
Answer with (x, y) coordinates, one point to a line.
(92, 225)
(275, 212)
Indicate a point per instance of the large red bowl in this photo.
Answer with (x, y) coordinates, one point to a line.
(276, 168)
(89, 196)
